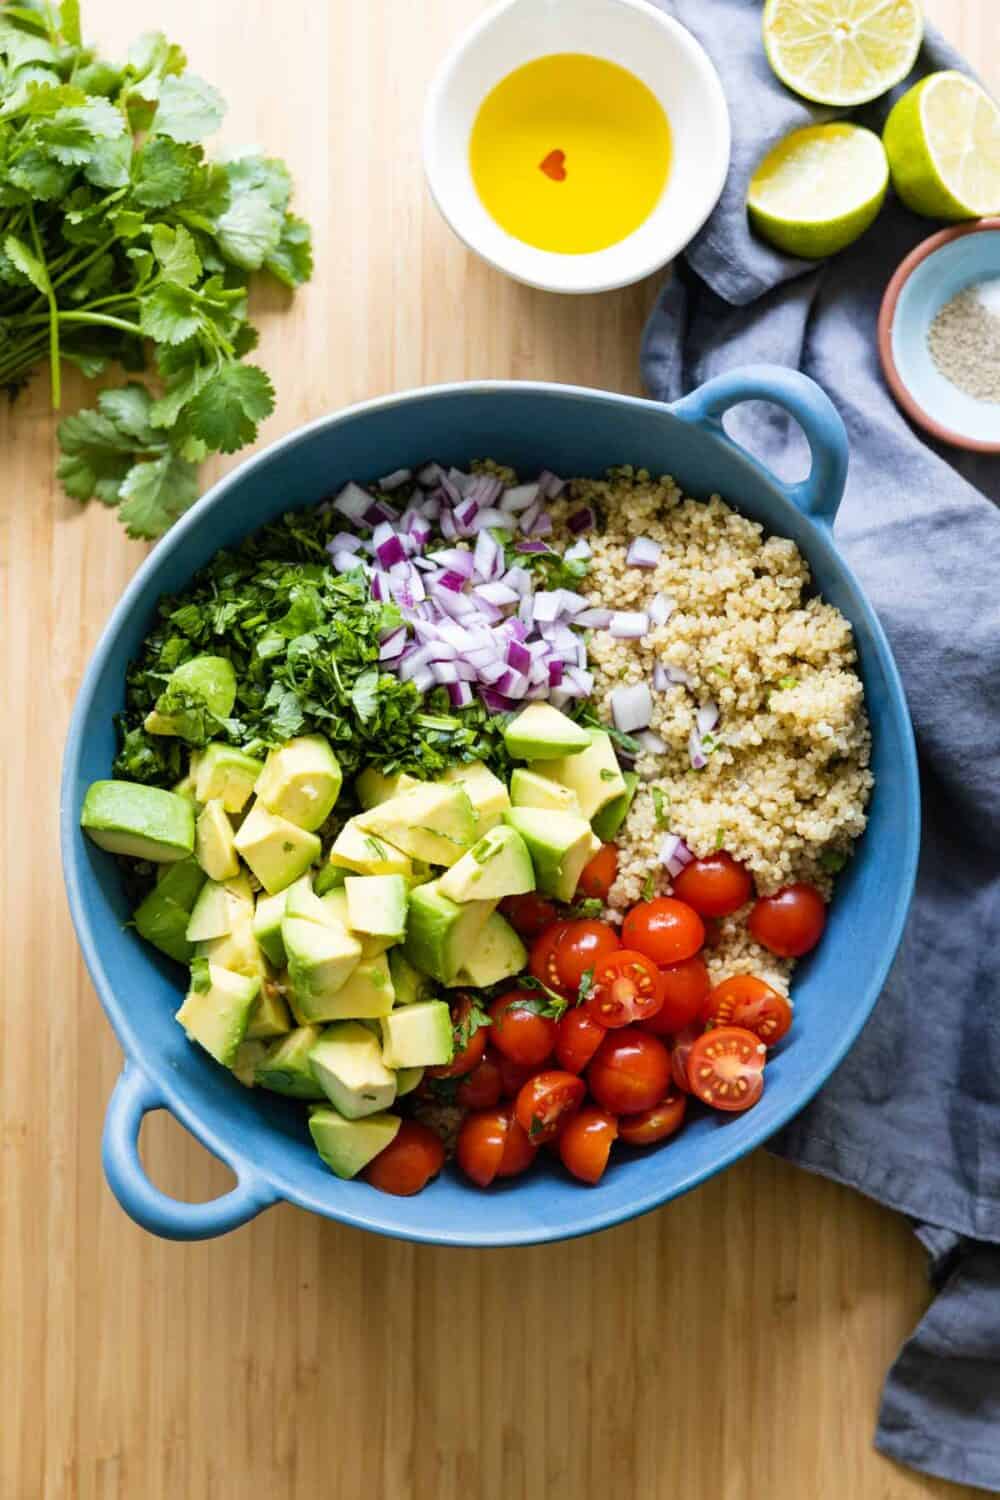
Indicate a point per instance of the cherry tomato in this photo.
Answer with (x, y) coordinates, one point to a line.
(684, 986)
(667, 931)
(747, 1002)
(529, 915)
(518, 1148)
(482, 1088)
(542, 963)
(583, 946)
(513, 1075)
(627, 987)
(408, 1162)
(585, 1143)
(469, 1045)
(655, 1124)
(726, 1068)
(715, 885)
(599, 876)
(480, 1145)
(630, 1072)
(791, 922)
(546, 1101)
(577, 1039)
(518, 1031)
(679, 1054)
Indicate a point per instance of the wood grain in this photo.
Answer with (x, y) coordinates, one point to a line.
(732, 1345)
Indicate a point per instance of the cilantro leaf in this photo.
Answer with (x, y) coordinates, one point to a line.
(96, 457)
(162, 173)
(176, 253)
(188, 108)
(170, 314)
(291, 260)
(249, 231)
(226, 409)
(25, 261)
(154, 493)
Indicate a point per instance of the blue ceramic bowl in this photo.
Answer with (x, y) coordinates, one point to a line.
(573, 431)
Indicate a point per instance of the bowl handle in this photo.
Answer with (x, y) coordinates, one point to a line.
(134, 1096)
(820, 493)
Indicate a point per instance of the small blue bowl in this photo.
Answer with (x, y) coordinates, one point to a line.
(264, 1138)
(931, 275)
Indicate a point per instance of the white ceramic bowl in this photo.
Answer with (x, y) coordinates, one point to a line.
(637, 36)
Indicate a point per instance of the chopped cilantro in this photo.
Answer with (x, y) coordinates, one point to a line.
(833, 860)
(787, 682)
(607, 775)
(649, 887)
(473, 1019)
(720, 838)
(590, 906)
(586, 985)
(721, 672)
(661, 807)
(201, 981)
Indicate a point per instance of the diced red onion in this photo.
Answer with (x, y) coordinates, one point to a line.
(346, 562)
(455, 605)
(674, 854)
(490, 517)
(532, 547)
(518, 657)
(392, 481)
(518, 578)
(496, 702)
(343, 541)
(628, 624)
(548, 606)
(594, 619)
(466, 512)
(696, 751)
(651, 742)
(540, 526)
(631, 707)
(449, 579)
(581, 520)
(554, 668)
(460, 694)
(423, 680)
(449, 530)
(581, 683)
(381, 510)
(530, 516)
(572, 603)
(388, 547)
(520, 497)
(459, 559)
(485, 489)
(352, 501)
(430, 475)
(579, 552)
(454, 484)
(643, 552)
(550, 485)
(488, 556)
(661, 607)
(500, 594)
(415, 661)
(393, 645)
(707, 717)
(513, 684)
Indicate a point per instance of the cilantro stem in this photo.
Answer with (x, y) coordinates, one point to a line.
(50, 297)
(81, 265)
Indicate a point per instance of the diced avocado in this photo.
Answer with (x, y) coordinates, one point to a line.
(270, 1016)
(499, 865)
(226, 773)
(418, 1036)
(349, 1145)
(277, 851)
(181, 882)
(208, 680)
(357, 850)
(498, 954)
(486, 792)
(301, 901)
(537, 789)
(335, 903)
(162, 917)
(368, 992)
(347, 1064)
(611, 818)
(216, 1014)
(559, 844)
(371, 787)
(430, 821)
(244, 1065)
(240, 888)
(440, 932)
(186, 788)
(301, 781)
(237, 949)
(284, 1068)
(541, 732)
(214, 844)
(594, 775)
(376, 905)
(267, 927)
(211, 915)
(409, 984)
(329, 878)
(408, 1079)
(320, 961)
(144, 822)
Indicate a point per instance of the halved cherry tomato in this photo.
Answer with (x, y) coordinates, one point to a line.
(630, 1071)
(746, 1001)
(791, 922)
(715, 885)
(685, 986)
(513, 1075)
(480, 1145)
(529, 915)
(726, 1068)
(542, 963)
(518, 1031)
(585, 1143)
(627, 987)
(656, 1124)
(409, 1161)
(680, 1051)
(546, 1102)
(599, 876)
(482, 1088)
(469, 1045)
(667, 931)
(519, 1149)
(578, 1037)
(583, 946)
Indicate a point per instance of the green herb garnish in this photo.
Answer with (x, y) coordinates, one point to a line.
(649, 887)
(660, 807)
(586, 986)
(201, 980)
(833, 861)
(473, 1020)
(787, 682)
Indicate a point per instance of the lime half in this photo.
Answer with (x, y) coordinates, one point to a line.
(818, 189)
(943, 142)
(842, 52)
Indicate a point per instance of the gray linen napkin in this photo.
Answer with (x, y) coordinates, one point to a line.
(912, 1117)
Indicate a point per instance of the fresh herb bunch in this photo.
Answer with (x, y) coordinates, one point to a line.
(118, 237)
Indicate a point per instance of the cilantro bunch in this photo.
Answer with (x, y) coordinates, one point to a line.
(121, 243)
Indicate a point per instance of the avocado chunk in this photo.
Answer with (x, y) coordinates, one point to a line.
(163, 916)
(237, 949)
(349, 1145)
(498, 954)
(560, 846)
(357, 850)
(320, 961)
(216, 1010)
(368, 993)
(376, 905)
(267, 927)
(610, 819)
(244, 1065)
(284, 1067)
(335, 903)
(499, 865)
(214, 844)
(371, 787)
(347, 1064)
(144, 822)
(487, 793)
(541, 732)
(430, 821)
(301, 781)
(594, 775)
(329, 878)
(269, 1016)
(418, 1036)
(301, 901)
(408, 1079)
(205, 685)
(214, 912)
(537, 789)
(277, 851)
(440, 932)
(226, 773)
(409, 985)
